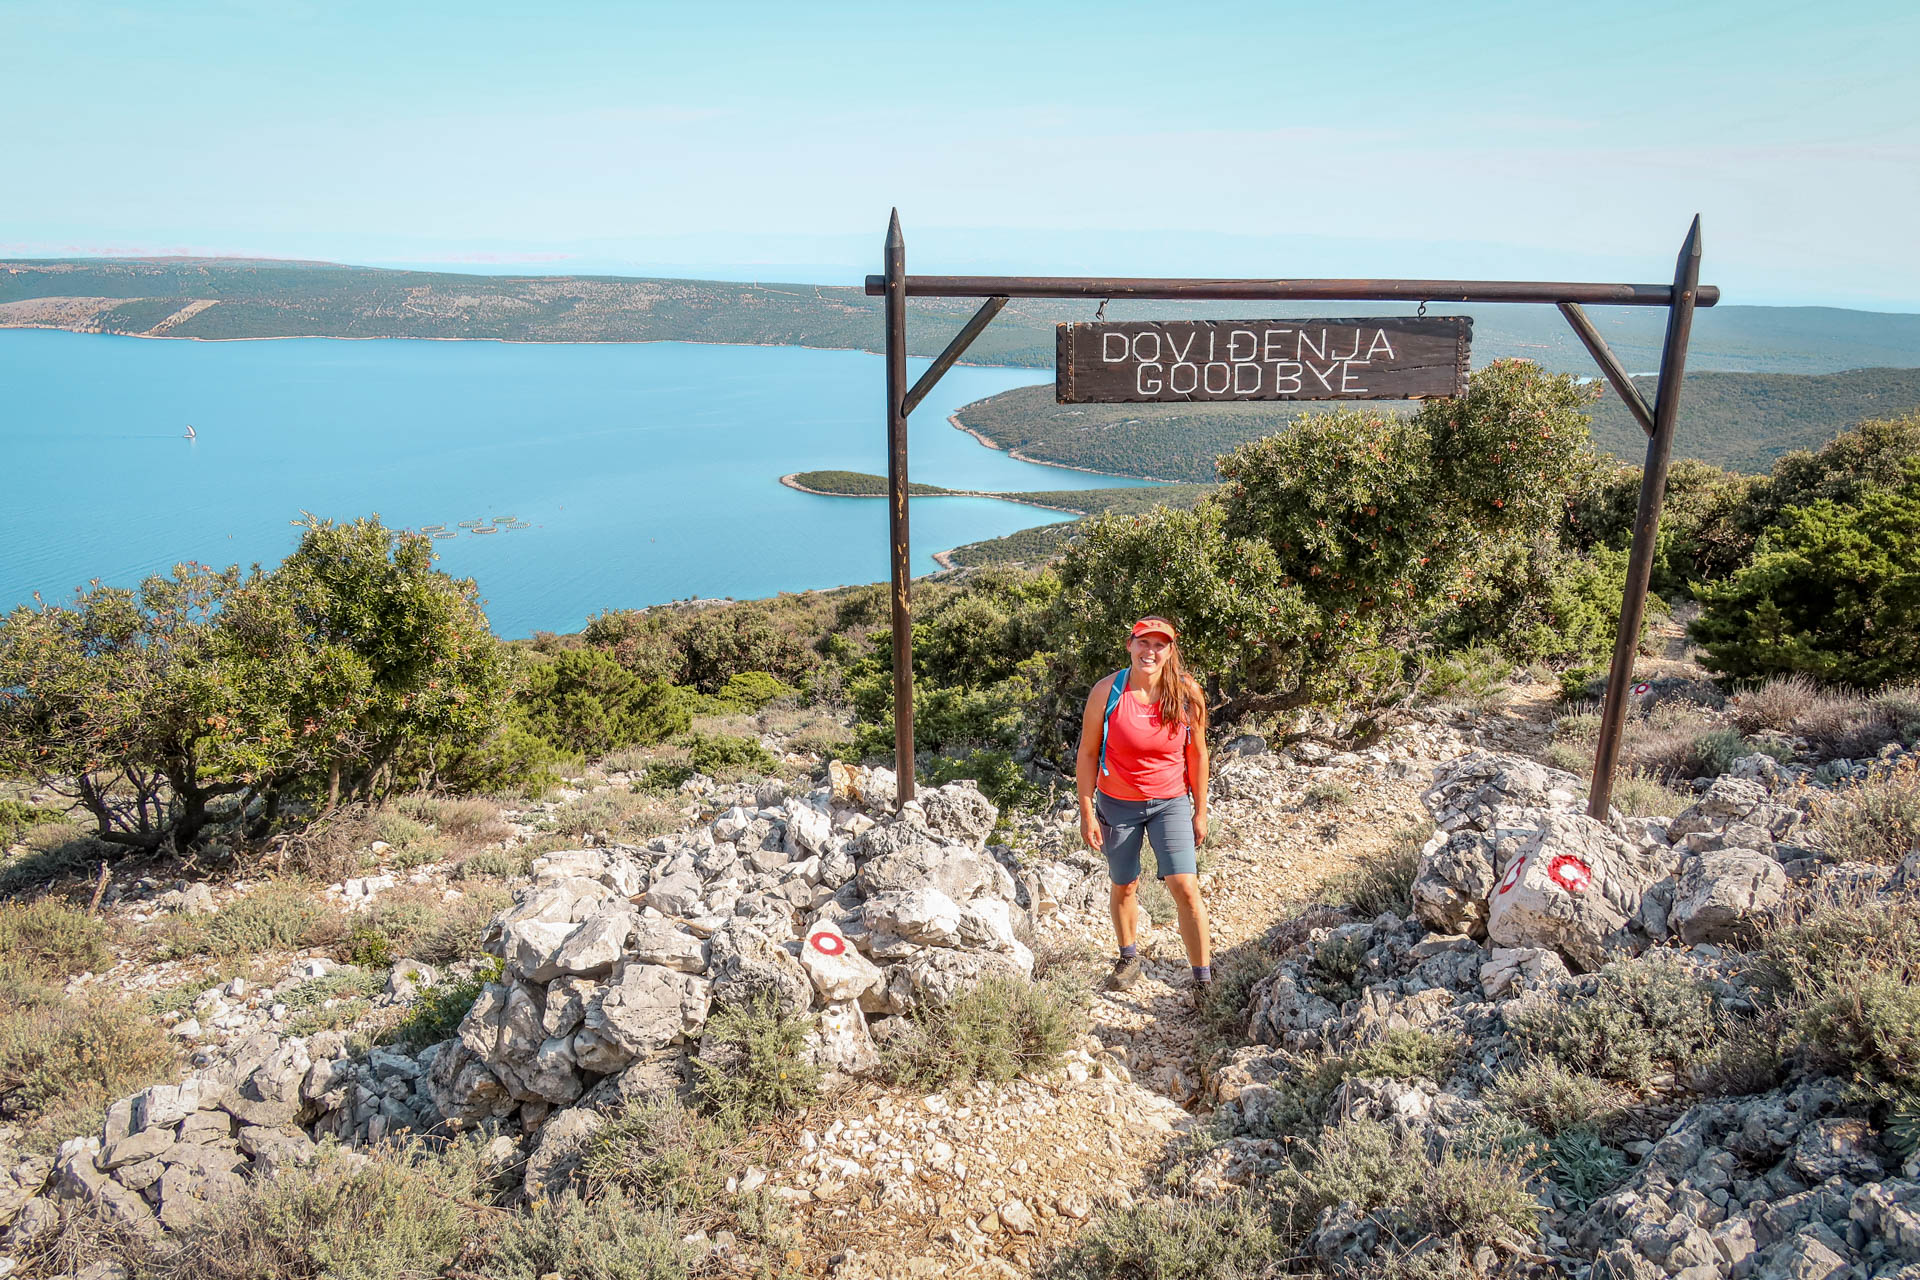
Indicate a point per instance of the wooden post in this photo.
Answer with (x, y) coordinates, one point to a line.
(1646, 522)
(896, 309)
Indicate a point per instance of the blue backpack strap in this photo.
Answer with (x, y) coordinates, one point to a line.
(1118, 687)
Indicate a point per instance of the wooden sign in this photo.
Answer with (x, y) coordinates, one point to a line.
(1159, 361)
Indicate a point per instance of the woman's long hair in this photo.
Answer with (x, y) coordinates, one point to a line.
(1181, 701)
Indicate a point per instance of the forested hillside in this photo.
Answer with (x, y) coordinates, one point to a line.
(233, 298)
(1742, 421)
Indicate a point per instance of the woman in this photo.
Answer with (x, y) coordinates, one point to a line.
(1142, 774)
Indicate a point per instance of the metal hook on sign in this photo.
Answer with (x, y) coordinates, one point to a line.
(1101, 312)
(1422, 311)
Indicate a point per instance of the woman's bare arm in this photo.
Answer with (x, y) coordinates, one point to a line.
(1086, 762)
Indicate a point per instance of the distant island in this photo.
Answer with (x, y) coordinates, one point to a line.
(1027, 546)
(215, 299)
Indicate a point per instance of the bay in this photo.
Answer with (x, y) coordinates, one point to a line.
(646, 472)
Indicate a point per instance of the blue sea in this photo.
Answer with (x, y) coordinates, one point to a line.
(644, 472)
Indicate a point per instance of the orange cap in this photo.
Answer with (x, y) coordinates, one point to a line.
(1154, 627)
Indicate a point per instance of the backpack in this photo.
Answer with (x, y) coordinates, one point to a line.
(1118, 687)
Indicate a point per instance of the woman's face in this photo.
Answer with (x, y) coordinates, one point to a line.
(1149, 651)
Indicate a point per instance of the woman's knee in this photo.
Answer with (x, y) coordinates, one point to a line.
(1184, 890)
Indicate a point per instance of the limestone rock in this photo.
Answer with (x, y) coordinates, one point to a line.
(464, 1089)
(648, 1006)
(840, 1041)
(925, 917)
(599, 940)
(836, 968)
(1571, 884)
(748, 966)
(959, 811)
(556, 1157)
(1717, 891)
(533, 947)
(1538, 966)
(663, 942)
(937, 975)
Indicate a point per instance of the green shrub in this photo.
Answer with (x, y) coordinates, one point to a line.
(1640, 795)
(1874, 454)
(410, 844)
(279, 916)
(63, 1060)
(1229, 1237)
(759, 1066)
(16, 816)
(334, 1001)
(1554, 1099)
(996, 1030)
(1846, 977)
(609, 1237)
(1564, 755)
(1477, 677)
(999, 778)
(750, 691)
(1304, 1094)
(1644, 1013)
(663, 1155)
(718, 754)
(585, 702)
(404, 1214)
(494, 864)
(437, 1010)
(49, 941)
(1714, 753)
(1584, 1167)
(1538, 603)
(1335, 969)
(510, 760)
(1326, 794)
(1583, 683)
(1411, 1194)
(1702, 536)
(1831, 593)
(664, 777)
(1223, 1013)
(1382, 882)
(1877, 820)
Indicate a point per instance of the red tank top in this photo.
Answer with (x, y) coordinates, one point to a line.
(1146, 757)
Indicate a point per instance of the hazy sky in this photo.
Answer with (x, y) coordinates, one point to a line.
(1516, 140)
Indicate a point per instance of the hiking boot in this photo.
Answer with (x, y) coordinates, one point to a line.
(1126, 972)
(1201, 990)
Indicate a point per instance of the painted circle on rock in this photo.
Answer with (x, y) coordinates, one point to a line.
(1512, 877)
(1642, 689)
(828, 944)
(1570, 873)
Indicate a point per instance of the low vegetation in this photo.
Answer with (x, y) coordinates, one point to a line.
(1643, 1016)
(994, 1030)
(1381, 882)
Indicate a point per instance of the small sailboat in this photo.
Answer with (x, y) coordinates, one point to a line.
(189, 434)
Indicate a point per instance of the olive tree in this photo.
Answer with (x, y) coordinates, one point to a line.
(211, 693)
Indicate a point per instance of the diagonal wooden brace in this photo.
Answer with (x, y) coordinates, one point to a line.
(1603, 356)
(955, 349)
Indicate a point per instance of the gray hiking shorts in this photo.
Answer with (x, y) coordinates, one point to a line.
(1125, 824)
